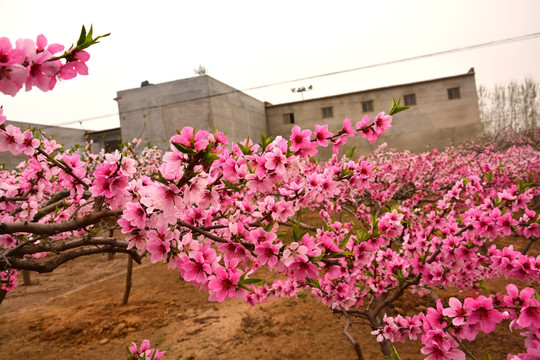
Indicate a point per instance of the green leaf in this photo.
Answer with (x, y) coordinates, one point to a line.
(345, 240)
(249, 281)
(318, 258)
(245, 150)
(265, 140)
(161, 179)
(246, 288)
(396, 107)
(228, 184)
(395, 354)
(362, 236)
(209, 157)
(537, 295)
(297, 232)
(334, 255)
(82, 37)
(399, 276)
(350, 152)
(89, 35)
(184, 149)
(523, 185)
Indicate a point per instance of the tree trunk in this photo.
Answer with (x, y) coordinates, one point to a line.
(386, 348)
(2, 295)
(386, 345)
(128, 280)
(110, 256)
(26, 278)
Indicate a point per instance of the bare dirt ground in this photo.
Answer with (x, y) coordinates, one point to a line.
(75, 313)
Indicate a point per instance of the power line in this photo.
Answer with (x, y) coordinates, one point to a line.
(391, 62)
(80, 121)
(445, 52)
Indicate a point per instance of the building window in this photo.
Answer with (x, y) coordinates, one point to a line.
(327, 112)
(288, 118)
(367, 106)
(112, 145)
(409, 99)
(453, 93)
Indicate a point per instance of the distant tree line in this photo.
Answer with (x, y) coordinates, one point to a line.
(513, 106)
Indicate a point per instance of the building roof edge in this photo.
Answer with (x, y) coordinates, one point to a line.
(469, 73)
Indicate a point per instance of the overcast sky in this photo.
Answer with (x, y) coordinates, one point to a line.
(248, 44)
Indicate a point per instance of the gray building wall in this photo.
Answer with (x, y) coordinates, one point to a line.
(155, 112)
(236, 113)
(435, 121)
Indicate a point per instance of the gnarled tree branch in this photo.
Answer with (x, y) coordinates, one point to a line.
(67, 251)
(52, 228)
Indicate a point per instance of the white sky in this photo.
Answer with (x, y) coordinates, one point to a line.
(252, 43)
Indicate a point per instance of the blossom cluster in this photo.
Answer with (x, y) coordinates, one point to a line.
(440, 329)
(8, 279)
(144, 352)
(36, 63)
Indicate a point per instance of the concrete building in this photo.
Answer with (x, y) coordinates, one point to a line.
(155, 112)
(442, 112)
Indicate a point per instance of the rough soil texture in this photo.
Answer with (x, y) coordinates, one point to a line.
(76, 313)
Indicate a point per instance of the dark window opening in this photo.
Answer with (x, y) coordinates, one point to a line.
(367, 106)
(453, 93)
(409, 99)
(111, 145)
(288, 118)
(327, 112)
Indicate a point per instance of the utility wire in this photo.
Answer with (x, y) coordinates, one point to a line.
(391, 62)
(466, 48)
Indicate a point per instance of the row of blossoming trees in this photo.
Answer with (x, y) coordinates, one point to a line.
(212, 210)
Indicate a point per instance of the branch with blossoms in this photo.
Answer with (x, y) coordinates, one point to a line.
(443, 329)
(59, 213)
(32, 63)
(515, 265)
(455, 197)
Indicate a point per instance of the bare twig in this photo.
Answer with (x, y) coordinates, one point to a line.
(528, 245)
(299, 223)
(65, 168)
(354, 343)
(212, 236)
